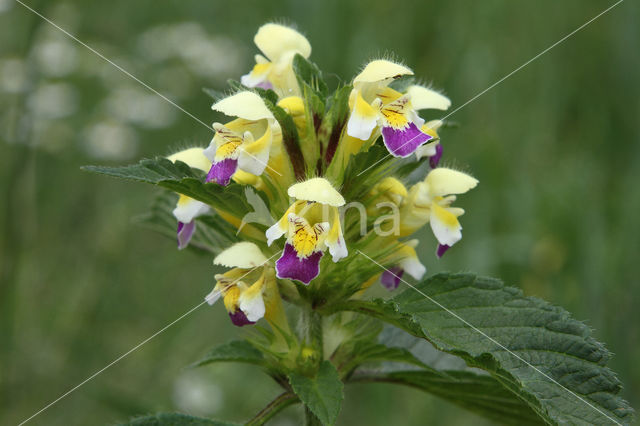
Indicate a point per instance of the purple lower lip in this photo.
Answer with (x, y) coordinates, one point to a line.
(291, 266)
(222, 171)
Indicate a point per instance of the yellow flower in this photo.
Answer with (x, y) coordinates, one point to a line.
(430, 201)
(246, 303)
(405, 260)
(244, 143)
(311, 225)
(187, 209)
(274, 70)
(386, 192)
(374, 104)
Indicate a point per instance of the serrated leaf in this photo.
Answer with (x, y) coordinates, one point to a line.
(236, 351)
(180, 178)
(424, 351)
(322, 394)
(212, 235)
(481, 394)
(378, 352)
(215, 232)
(148, 170)
(564, 378)
(174, 419)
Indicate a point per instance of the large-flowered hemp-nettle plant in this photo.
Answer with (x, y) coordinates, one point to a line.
(306, 198)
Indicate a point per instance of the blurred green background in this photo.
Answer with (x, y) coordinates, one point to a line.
(555, 147)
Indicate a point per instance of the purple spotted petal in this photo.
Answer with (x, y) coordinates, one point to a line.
(239, 319)
(403, 143)
(185, 232)
(222, 171)
(433, 161)
(442, 248)
(391, 278)
(291, 266)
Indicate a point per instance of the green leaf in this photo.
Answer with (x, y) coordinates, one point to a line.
(333, 122)
(213, 234)
(322, 394)
(379, 352)
(367, 168)
(180, 178)
(148, 170)
(363, 171)
(174, 419)
(309, 74)
(481, 394)
(564, 378)
(447, 377)
(236, 351)
(290, 139)
(360, 345)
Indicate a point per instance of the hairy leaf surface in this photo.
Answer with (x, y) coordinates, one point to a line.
(174, 419)
(532, 348)
(181, 178)
(321, 394)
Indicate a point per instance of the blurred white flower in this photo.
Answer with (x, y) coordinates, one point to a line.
(6, 5)
(196, 395)
(13, 75)
(109, 140)
(55, 57)
(218, 56)
(207, 56)
(96, 67)
(53, 100)
(140, 107)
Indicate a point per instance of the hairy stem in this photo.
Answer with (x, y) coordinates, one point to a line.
(314, 333)
(274, 407)
(313, 328)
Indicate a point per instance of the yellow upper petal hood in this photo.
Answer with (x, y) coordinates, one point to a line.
(318, 190)
(391, 185)
(379, 70)
(294, 105)
(241, 255)
(247, 105)
(443, 181)
(275, 41)
(193, 157)
(424, 98)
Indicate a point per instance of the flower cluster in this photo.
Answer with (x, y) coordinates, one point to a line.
(315, 160)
